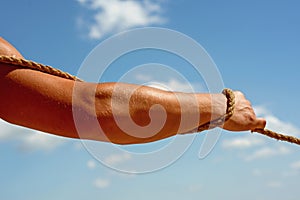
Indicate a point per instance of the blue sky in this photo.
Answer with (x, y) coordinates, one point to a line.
(255, 45)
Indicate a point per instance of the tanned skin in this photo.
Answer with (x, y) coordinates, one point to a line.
(45, 102)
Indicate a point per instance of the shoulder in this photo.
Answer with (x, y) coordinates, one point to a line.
(7, 49)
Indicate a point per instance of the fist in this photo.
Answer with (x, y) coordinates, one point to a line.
(243, 118)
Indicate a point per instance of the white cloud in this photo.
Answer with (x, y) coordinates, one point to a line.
(101, 183)
(257, 172)
(293, 171)
(267, 152)
(195, 188)
(40, 141)
(91, 164)
(8, 131)
(256, 141)
(295, 165)
(122, 174)
(117, 158)
(28, 139)
(176, 85)
(116, 15)
(274, 184)
(243, 142)
(77, 145)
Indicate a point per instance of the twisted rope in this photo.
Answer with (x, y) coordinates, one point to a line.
(278, 136)
(20, 62)
(209, 125)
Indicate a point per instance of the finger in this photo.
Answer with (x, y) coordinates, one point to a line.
(260, 123)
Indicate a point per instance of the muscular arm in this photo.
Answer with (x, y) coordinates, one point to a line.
(45, 102)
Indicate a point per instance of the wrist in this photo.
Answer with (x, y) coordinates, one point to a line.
(211, 106)
(218, 106)
(219, 121)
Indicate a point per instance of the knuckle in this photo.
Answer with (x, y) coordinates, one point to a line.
(251, 118)
(239, 93)
(247, 102)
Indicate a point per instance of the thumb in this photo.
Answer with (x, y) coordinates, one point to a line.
(260, 123)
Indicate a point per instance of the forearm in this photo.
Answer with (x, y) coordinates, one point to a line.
(130, 113)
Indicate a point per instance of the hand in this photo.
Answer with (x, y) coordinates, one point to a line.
(243, 118)
(8, 50)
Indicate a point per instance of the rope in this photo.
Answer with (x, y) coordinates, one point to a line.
(278, 136)
(37, 66)
(209, 125)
